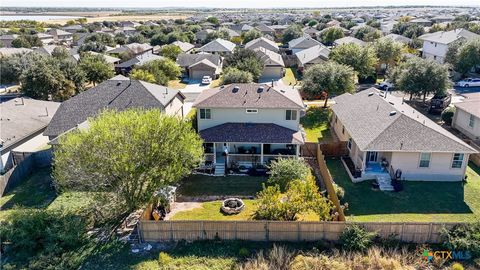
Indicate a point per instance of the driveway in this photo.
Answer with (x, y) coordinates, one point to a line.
(194, 87)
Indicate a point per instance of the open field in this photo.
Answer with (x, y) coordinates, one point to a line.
(132, 17)
(420, 201)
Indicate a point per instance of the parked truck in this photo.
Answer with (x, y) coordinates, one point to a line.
(438, 103)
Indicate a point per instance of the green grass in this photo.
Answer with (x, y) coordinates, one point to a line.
(419, 201)
(198, 185)
(289, 78)
(177, 84)
(37, 192)
(315, 123)
(211, 211)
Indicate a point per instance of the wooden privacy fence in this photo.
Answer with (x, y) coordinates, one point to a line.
(294, 231)
(334, 149)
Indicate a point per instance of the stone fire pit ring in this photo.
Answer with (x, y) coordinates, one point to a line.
(232, 206)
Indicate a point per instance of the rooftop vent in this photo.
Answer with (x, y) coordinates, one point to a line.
(235, 89)
(119, 83)
(393, 113)
(370, 94)
(391, 103)
(260, 89)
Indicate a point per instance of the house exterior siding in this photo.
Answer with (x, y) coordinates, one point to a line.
(175, 107)
(239, 115)
(461, 122)
(434, 51)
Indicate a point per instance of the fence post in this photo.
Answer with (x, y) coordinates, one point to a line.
(171, 231)
(403, 228)
(298, 231)
(235, 238)
(204, 233)
(267, 236)
(429, 239)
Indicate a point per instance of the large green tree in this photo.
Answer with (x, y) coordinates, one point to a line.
(246, 60)
(362, 59)
(468, 56)
(96, 68)
(124, 157)
(368, 33)
(234, 75)
(421, 77)
(163, 70)
(330, 78)
(285, 170)
(251, 35)
(170, 51)
(292, 32)
(388, 51)
(331, 34)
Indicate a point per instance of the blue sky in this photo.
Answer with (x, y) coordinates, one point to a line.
(231, 3)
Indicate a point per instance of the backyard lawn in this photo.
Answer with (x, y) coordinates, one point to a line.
(315, 123)
(289, 78)
(419, 201)
(211, 211)
(176, 84)
(203, 185)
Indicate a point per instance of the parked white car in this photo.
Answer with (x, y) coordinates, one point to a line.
(206, 80)
(470, 82)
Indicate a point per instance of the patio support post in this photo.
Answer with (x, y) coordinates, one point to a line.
(364, 163)
(261, 153)
(297, 149)
(214, 154)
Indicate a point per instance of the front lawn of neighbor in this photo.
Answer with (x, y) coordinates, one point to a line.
(289, 78)
(315, 123)
(203, 185)
(177, 84)
(419, 201)
(211, 211)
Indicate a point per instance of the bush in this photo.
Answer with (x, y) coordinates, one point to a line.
(164, 259)
(463, 237)
(457, 266)
(356, 238)
(46, 238)
(243, 252)
(234, 75)
(285, 170)
(339, 191)
(447, 115)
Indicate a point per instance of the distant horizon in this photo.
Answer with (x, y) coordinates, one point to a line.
(241, 4)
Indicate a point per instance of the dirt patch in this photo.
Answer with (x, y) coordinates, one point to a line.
(182, 206)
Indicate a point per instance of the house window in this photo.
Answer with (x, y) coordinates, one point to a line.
(349, 144)
(251, 110)
(457, 160)
(291, 115)
(205, 114)
(471, 122)
(425, 160)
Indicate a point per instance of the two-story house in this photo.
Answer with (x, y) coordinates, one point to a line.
(435, 45)
(249, 124)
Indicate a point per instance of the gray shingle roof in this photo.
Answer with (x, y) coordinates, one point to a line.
(307, 55)
(19, 121)
(303, 43)
(252, 133)
(367, 118)
(269, 58)
(262, 42)
(470, 106)
(117, 93)
(218, 45)
(139, 60)
(448, 37)
(249, 95)
(184, 46)
(186, 60)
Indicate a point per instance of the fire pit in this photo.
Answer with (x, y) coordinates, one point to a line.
(232, 206)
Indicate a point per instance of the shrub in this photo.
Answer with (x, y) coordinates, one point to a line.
(164, 258)
(463, 237)
(356, 238)
(339, 191)
(243, 252)
(234, 75)
(447, 115)
(285, 170)
(457, 266)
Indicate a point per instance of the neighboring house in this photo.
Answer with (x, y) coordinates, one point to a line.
(127, 30)
(184, 46)
(435, 45)
(45, 38)
(265, 29)
(133, 48)
(422, 22)
(279, 29)
(312, 56)
(109, 59)
(196, 66)
(218, 46)
(201, 35)
(241, 28)
(6, 40)
(311, 31)
(255, 123)
(61, 36)
(273, 65)
(46, 50)
(262, 43)
(118, 93)
(399, 38)
(385, 135)
(5, 52)
(302, 43)
(22, 123)
(73, 28)
(467, 118)
(141, 59)
(347, 40)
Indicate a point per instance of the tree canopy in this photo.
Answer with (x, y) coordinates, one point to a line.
(235, 75)
(330, 78)
(368, 33)
(285, 170)
(251, 35)
(96, 68)
(146, 150)
(246, 60)
(388, 51)
(362, 59)
(468, 56)
(163, 70)
(420, 76)
(331, 34)
(292, 32)
(170, 51)
(143, 75)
